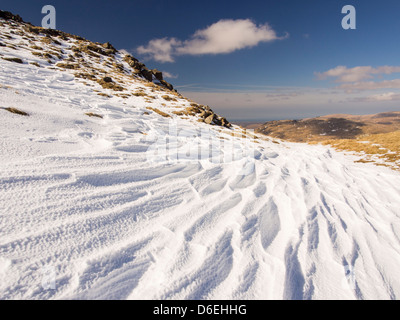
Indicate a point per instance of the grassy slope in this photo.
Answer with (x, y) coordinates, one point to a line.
(376, 138)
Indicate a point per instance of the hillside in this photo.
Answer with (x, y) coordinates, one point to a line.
(114, 186)
(373, 137)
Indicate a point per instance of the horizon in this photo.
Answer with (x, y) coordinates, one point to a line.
(269, 60)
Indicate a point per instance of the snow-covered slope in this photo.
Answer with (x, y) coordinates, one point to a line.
(136, 205)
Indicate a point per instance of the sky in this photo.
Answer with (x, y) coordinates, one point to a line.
(251, 60)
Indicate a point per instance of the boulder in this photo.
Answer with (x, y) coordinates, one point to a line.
(107, 79)
(167, 85)
(139, 65)
(157, 74)
(209, 119)
(207, 114)
(224, 122)
(147, 74)
(217, 121)
(109, 48)
(107, 45)
(129, 59)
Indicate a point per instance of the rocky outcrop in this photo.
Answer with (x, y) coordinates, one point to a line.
(81, 48)
(210, 119)
(157, 74)
(109, 48)
(147, 74)
(206, 115)
(6, 15)
(167, 85)
(52, 32)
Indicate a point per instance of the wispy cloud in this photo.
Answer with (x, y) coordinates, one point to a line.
(224, 36)
(352, 81)
(371, 85)
(387, 96)
(356, 74)
(166, 74)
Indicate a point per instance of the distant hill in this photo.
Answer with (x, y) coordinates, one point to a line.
(375, 137)
(335, 126)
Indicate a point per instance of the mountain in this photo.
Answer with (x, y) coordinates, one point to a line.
(115, 186)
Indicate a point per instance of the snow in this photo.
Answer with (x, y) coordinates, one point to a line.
(136, 206)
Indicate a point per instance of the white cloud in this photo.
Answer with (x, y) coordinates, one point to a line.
(224, 36)
(356, 74)
(166, 74)
(227, 36)
(160, 49)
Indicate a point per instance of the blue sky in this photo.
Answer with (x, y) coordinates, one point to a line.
(256, 60)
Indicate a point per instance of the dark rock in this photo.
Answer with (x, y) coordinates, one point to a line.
(139, 65)
(157, 74)
(167, 85)
(47, 32)
(207, 114)
(147, 74)
(225, 123)
(128, 58)
(94, 48)
(107, 79)
(6, 15)
(217, 121)
(134, 63)
(109, 48)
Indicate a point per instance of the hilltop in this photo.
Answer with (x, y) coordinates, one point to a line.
(98, 66)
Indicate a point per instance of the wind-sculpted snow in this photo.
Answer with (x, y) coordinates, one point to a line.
(138, 206)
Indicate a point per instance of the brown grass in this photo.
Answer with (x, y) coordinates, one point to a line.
(110, 85)
(16, 111)
(17, 60)
(67, 65)
(161, 113)
(168, 98)
(103, 95)
(179, 113)
(91, 114)
(139, 94)
(384, 146)
(49, 40)
(87, 76)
